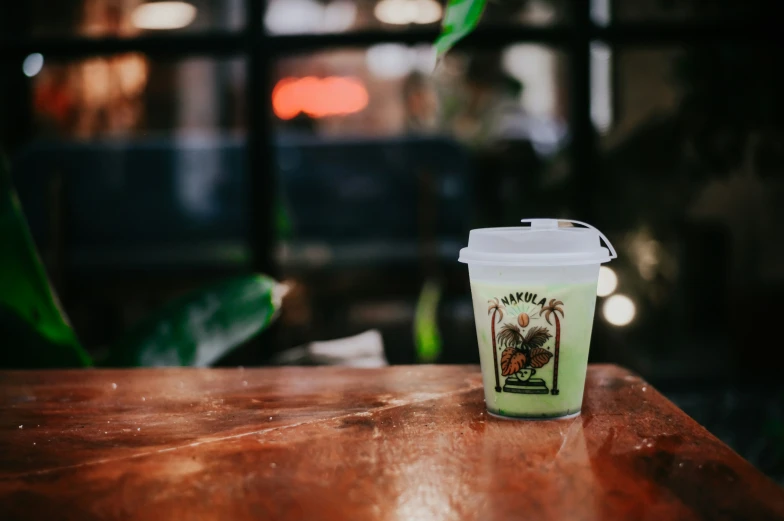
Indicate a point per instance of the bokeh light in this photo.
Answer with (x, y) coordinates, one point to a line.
(33, 64)
(608, 281)
(163, 15)
(619, 310)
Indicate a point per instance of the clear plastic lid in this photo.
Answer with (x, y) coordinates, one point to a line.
(545, 242)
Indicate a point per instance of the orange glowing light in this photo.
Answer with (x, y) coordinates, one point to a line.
(318, 97)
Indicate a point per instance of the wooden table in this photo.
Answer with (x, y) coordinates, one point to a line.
(401, 443)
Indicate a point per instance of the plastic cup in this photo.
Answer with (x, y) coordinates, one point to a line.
(534, 296)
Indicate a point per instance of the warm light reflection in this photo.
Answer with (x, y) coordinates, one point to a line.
(403, 12)
(619, 310)
(98, 96)
(608, 281)
(163, 15)
(318, 97)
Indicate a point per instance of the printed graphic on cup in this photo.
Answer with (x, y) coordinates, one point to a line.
(523, 347)
(534, 297)
(533, 347)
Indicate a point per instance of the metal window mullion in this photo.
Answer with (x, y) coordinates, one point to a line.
(260, 172)
(167, 46)
(583, 144)
(229, 43)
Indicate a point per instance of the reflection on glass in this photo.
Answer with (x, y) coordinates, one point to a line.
(130, 94)
(163, 15)
(309, 16)
(376, 198)
(318, 97)
(600, 12)
(98, 95)
(601, 86)
(314, 16)
(516, 94)
(126, 18)
(608, 281)
(405, 12)
(122, 18)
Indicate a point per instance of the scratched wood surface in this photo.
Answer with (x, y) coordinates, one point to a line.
(400, 443)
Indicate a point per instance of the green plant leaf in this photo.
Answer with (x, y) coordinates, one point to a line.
(460, 18)
(26, 295)
(23, 347)
(427, 337)
(199, 328)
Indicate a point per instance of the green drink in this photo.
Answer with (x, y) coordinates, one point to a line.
(526, 337)
(534, 296)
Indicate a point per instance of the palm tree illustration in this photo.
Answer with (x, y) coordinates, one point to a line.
(553, 309)
(498, 311)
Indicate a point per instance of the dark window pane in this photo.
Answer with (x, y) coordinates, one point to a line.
(691, 192)
(693, 10)
(133, 181)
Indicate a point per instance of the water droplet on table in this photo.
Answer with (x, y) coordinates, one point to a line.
(114, 385)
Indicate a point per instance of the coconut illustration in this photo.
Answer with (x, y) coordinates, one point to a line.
(523, 320)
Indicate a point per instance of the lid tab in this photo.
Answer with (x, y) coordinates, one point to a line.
(542, 224)
(539, 242)
(548, 223)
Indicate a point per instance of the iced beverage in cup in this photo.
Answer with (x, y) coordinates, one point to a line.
(534, 295)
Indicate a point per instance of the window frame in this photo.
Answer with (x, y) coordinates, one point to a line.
(262, 49)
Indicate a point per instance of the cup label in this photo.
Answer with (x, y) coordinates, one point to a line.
(519, 347)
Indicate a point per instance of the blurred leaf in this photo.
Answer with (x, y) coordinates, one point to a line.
(426, 334)
(23, 347)
(30, 306)
(460, 18)
(199, 328)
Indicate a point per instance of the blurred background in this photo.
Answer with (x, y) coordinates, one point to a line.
(157, 146)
